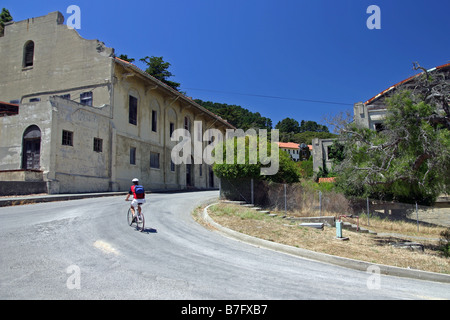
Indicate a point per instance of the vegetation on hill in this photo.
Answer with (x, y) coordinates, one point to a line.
(238, 116)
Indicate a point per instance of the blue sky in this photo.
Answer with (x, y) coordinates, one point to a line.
(269, 56)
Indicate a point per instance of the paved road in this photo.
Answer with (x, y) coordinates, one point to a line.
(83, 249)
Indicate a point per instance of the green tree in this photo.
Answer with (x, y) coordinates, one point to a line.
(409, 161)
(307, 136)
(238, 116)
(288, 171)
(158, 68)
(291, 131)
(125, 57)
(5, 16)
(288, 125)
(336, 152)
(312, 126)
(306, 168)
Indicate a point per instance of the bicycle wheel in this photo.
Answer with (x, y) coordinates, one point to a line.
(140, 222)
(130, 217)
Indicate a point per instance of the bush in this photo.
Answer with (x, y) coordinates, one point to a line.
(306, 168)
(288, 172)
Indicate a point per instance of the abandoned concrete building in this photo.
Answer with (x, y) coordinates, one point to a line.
(370, 114)
(320, 149)
(77, 119)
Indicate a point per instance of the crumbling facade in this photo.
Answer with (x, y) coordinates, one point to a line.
(88, 121)
(370, 114)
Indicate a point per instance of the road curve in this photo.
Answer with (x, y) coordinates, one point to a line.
(83, 249)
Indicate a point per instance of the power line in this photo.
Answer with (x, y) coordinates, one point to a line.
(272, 97)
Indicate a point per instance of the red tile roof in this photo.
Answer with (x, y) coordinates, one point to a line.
(326, 180)
(402, 82)
(292, 145)
(288, 145)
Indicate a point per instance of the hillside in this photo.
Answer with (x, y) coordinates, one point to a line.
(245, 119)
(237, 116)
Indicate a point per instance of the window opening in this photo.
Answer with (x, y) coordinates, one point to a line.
(28, 54)
(132, 117)
(133, 156)
(86, 98)
(154, 160)
(67, 138)
(154, 121)
(98, 145)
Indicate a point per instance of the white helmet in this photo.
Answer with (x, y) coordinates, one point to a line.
(135, 180)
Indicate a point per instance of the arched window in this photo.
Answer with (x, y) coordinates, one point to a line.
(28, 54)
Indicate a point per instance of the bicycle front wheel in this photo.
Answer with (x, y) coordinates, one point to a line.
(130, 217)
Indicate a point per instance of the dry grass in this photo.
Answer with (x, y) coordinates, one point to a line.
(396, 226)
(382, 225)
(374, 249)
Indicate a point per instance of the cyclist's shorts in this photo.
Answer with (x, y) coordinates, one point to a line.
(135, 202)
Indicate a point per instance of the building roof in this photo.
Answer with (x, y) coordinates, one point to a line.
(8, 109)
(288, 145)
(332, 179)
(382, 93)
(129, 65)
(291, 145)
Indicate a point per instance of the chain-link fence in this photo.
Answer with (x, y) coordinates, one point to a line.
(307, 201)
(437, 215)
(294, 198)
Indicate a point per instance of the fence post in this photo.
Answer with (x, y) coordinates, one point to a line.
(320, 203)
(251, 184)
(417, 217)
(285, 200)
(368, 212)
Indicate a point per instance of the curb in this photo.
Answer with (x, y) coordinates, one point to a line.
(15, 201)
(22, 200)
(323, 257)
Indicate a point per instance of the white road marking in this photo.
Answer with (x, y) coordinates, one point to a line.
(105, 247)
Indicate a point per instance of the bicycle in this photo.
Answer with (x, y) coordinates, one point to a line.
(138, 219)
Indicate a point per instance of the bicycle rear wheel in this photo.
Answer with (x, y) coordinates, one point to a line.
(140, 222)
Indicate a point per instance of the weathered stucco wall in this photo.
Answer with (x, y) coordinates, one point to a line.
(78, 167)
(12, 129)
(66, 64)
(63, 61)
(168, 109)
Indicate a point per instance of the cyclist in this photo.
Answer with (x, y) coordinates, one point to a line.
(138, 193)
